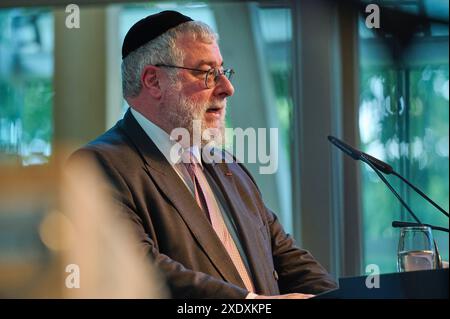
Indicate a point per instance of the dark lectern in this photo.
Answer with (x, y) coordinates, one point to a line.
(427, 284)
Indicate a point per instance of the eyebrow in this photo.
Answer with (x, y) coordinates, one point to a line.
(207, 63)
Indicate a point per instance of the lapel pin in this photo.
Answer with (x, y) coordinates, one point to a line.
(228, 174)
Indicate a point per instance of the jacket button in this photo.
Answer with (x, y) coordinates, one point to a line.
(275, 275)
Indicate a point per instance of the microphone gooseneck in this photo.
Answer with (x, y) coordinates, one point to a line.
(421, 193)
(399, 224)
(381, 166)
(365, 160)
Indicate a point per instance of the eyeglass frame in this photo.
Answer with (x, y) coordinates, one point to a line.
(218, 72)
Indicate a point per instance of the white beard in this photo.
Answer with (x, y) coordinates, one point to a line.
(183, 112)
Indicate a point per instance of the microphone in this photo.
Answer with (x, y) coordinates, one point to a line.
(357, 155)
(380, 165)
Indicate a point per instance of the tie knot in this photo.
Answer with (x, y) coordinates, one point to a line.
(191, 163)
(188, 157)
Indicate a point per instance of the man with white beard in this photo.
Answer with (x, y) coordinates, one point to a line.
(203, 224)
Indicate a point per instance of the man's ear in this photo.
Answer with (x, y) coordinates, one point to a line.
(150, 81)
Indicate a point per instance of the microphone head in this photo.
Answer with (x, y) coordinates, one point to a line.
(358, 155)
(347, 149)
(382, 166)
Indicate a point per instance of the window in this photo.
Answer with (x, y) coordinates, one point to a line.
(26, 73)
(275, 29)
(403, 120)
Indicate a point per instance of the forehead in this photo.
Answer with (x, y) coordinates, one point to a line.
(198, 51)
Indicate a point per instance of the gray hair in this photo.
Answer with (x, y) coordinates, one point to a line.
(161, 50)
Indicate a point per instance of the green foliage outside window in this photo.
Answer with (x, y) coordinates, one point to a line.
(404, 116)
(26, 89)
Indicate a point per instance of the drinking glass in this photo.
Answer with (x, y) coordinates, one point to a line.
(415, 249)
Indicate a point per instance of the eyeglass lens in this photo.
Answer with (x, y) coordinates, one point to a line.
(213, 76)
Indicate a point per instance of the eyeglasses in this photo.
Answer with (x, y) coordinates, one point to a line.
(212, 75)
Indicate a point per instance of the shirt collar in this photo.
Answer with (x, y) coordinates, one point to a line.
(161, 138)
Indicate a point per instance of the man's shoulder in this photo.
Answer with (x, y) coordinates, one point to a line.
(112, 146)
(112, 139)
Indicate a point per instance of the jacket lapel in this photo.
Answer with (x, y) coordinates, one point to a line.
(169, 182)
(247, 228)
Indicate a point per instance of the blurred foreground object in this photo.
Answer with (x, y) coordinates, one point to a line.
(61, 237)
(27, 267)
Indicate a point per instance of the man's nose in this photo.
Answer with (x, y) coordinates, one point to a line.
(223, 88)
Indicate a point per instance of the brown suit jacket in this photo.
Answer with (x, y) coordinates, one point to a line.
(178, 236)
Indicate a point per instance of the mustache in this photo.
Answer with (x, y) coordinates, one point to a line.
(218, 104)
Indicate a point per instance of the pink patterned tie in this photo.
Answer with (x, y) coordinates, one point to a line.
(205, 199)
